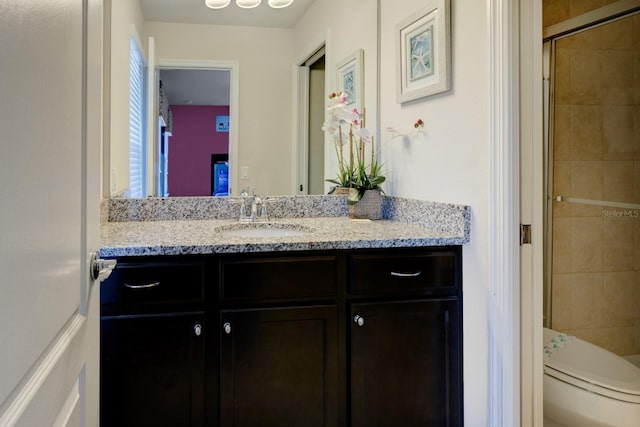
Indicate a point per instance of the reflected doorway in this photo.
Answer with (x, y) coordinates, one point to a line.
(316, 118)
(195, 113)
(311, 102)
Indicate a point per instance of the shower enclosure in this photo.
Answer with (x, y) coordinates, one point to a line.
(592, 82)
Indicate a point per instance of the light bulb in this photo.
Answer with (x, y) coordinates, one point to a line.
(217, 4)
(279, 4)
(248, 4)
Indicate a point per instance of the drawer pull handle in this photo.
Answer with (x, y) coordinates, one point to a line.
(145, 286)
(197, 329)
(227, 328)
(397, 274)
(358, 320)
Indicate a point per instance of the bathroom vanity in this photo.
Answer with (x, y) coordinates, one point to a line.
(313, 330)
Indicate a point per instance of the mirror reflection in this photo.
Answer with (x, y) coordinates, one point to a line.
(261, 137)
(194, 141)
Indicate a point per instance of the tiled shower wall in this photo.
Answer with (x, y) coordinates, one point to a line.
(596, 250)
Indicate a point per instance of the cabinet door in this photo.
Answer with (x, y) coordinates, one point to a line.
(406, 364)
(279, 367)
(152, 370)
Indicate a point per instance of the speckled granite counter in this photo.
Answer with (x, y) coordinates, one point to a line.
(186, 231)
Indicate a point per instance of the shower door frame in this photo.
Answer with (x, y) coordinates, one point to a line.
(551, 34)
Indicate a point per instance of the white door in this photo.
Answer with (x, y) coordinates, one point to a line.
(50, 136)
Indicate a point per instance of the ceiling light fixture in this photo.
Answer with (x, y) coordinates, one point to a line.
(217, 4)
(246, 4)
(279, 4)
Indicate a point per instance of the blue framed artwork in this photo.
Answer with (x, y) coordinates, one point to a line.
(351, 78)
(222, 123)
(421, 53)
(424, 52)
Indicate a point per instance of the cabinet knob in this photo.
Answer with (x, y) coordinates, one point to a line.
(227, 328)
(358, 320)
(197, 329)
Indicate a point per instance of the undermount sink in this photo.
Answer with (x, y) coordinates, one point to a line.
(263, 230)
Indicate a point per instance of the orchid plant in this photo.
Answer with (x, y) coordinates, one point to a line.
(346, 126)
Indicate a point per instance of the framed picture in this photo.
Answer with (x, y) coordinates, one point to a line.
(351, 78)
(222, 123)
(423, 52)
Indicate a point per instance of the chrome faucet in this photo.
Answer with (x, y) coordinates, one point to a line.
(256, 201)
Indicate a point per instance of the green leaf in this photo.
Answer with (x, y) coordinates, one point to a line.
(355, 195)
(377, 180)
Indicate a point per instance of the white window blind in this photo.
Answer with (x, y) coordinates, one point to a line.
(137, 152)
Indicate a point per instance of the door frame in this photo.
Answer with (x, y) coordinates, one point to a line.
(532, 211)
(300, 111)
(514, 272)
(234, 103)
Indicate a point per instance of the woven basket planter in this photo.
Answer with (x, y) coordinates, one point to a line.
(369, 207)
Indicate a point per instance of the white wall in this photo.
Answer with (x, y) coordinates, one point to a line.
(346, 26)
(126, 19)
(264, 55)
(448, 163)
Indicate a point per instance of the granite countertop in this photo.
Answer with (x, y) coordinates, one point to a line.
(142, 227)
(205, 237)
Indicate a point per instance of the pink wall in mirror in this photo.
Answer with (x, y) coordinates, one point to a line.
(191, 145)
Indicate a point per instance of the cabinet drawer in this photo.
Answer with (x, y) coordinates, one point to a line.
(154, 283)
(436, 271)
(278, 278)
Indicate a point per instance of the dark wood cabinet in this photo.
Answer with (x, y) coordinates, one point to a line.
(391, 272)
(405, 337)
(278, 367)
(152, 356)
(405, 363)
(152, 370)
(278, 277)
(369, 337)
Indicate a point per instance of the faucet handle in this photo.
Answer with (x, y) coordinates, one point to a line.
(263, 210)
(258, 207)
(243, 211)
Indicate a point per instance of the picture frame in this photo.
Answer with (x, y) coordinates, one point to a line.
(423, 52)
(222, 123)
(351, 78)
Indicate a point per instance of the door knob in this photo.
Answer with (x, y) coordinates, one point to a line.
(99, 268)
(358, 320)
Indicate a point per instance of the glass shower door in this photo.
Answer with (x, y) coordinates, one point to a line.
(593, 288)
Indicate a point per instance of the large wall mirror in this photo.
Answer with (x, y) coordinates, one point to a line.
(266, 135)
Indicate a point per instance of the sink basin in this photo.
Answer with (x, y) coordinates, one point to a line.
(263, 230)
